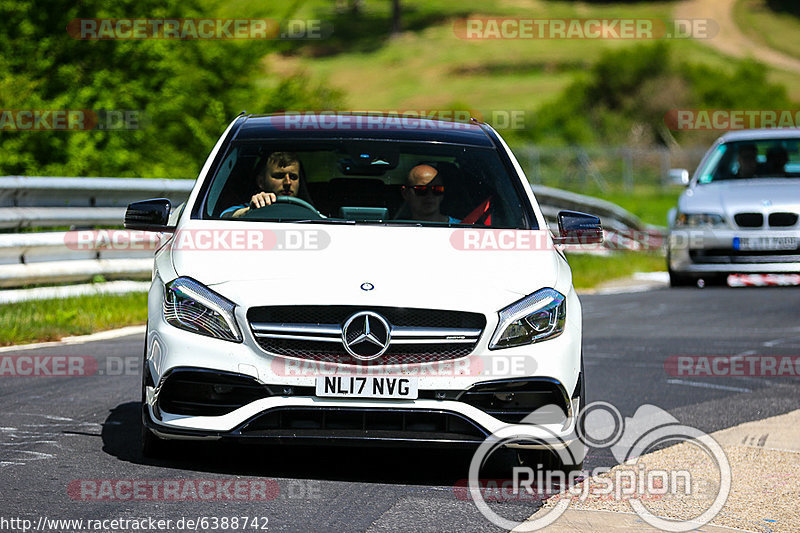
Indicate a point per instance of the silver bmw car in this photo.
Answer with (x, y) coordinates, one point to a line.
(739, 213)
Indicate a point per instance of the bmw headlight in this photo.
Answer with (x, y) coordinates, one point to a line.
(191, 306)
(535, 318)
(697, 220)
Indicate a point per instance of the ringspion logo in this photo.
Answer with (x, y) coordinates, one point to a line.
(629, 439)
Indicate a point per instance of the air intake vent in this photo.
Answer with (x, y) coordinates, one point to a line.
(207, 393)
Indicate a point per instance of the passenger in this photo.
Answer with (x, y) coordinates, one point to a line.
(747, 161)
(423, 194)
(777, 157)
(280, 174)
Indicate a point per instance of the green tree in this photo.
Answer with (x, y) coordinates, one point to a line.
(628, 92)
(185, 90)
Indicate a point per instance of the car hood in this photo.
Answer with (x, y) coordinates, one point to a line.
(406, 266)
(736, 196)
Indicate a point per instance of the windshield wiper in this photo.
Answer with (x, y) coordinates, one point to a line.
(421, 224)
(321, 221)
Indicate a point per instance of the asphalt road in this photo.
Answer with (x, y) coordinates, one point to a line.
(56, 431)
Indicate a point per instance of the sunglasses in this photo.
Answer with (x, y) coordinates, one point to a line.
(282, 175)
(422, 190)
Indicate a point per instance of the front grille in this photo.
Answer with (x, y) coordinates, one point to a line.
(782, 220)
(728, 256)
(334, 353)
(337, 314)
(393, 424)
(314, 333)
(749, 220)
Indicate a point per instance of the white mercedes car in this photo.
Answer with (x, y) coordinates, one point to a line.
(359, 279)
(740, 211)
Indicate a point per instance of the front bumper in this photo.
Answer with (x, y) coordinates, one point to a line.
(427, 423)
(281, 405)
(698, 251)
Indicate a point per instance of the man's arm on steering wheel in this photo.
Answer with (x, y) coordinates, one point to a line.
(261, 199)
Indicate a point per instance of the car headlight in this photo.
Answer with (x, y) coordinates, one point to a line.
(191, 306)
(537, 317)
(695, 220)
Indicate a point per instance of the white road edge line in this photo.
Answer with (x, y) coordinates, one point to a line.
(707, 385)
(99, 336)
(629, 513)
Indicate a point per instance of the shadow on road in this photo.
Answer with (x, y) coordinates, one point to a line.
(418, 466)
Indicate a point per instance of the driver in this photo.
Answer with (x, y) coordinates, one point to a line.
(747, 159)
(279, 175)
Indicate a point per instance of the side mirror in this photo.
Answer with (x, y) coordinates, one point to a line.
(578, 228)
(679, 176)
(149, 215)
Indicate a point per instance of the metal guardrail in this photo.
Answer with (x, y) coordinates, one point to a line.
(52, 202)
(613, 216)
(93, 192)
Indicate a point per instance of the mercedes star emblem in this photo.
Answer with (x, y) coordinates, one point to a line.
(366, 335)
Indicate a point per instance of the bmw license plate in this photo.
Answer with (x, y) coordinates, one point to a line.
(764, 243)
(368, 387)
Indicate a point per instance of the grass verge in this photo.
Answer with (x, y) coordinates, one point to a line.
(650, 205)
(49, 320)
(589, 271)
(780, 31)
(428, 66)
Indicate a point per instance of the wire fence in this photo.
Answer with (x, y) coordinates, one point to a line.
(604, 169)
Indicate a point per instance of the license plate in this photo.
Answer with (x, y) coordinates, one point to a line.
(367, 387)
(765, 243)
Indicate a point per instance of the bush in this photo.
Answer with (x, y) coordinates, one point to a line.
(186, 92)
(626, 94)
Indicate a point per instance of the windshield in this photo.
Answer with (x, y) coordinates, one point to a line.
(767, 158)
(375, 182)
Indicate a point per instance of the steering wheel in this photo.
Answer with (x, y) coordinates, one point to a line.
(285, 207)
